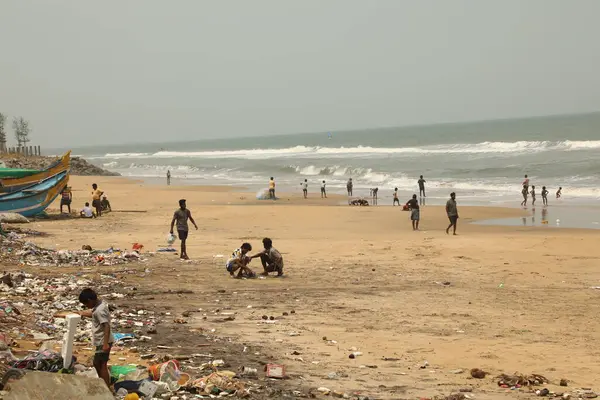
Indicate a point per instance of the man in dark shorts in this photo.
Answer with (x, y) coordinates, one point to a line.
(349, 187)
(452, 212)
(421, 186)
(102, 337)
(96, 199)
(415, 213)
(270, 258)
(181, 216)
(66, 197)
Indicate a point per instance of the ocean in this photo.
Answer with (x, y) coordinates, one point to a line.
(483, 162)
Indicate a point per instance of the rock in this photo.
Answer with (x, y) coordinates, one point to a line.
(79, 166)
(457, 371)
(564, 382)
(46, 385)
(478, 373)
(324, 390)
(13, 218)
(466, 390)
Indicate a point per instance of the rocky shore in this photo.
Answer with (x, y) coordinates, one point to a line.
(79, 166)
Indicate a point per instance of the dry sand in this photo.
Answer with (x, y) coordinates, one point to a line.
(518, 298)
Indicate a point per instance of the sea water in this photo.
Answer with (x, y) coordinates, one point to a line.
(483, 162)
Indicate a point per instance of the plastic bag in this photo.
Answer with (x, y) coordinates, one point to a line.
(171, 239)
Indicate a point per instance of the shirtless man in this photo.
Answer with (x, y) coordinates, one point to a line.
(181, 216)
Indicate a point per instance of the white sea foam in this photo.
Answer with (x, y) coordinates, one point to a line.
(518, 147)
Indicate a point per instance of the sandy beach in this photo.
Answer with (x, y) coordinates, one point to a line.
(503, 299)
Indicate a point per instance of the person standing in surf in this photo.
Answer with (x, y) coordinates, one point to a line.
(272, 189)
(305, 188)
(349, 186)
(532, 195)
(421, 182)
(524, 192)
(526, 182)
(396, 199)
(544, 196)
(169, 177)
(323, 190)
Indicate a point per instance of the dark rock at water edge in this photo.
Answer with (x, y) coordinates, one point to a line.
(79, 166)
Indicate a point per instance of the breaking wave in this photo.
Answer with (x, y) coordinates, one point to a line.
(518, 147)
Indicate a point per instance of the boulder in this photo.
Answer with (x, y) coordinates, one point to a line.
(46, 385)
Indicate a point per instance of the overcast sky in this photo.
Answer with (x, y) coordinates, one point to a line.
(116, 71)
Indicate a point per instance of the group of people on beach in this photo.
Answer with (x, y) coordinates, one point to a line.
(526, 193)
(100, 203)
(271, 258)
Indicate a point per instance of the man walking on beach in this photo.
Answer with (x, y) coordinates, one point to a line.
(305, 188)
(168, 177)
(181, 216)
(396, 199)
(452, 212)
(272, 188)
(323, 190)
(421, 182)
(415, 215)
(96, 199)
(349, 186)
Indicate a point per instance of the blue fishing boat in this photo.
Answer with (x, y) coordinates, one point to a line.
(34, 199)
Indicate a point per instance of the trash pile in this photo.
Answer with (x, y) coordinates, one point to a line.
(14, 250)
(32, 324)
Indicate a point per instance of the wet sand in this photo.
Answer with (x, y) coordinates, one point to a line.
(499, 298)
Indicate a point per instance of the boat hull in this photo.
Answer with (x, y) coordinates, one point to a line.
(11, 185)
(34, 199)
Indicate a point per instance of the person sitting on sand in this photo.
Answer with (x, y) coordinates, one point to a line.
(270, 258)
(105, 204)
(66, 197)
(415, 214)
(87, 212)
(239, 261)
(559, 192)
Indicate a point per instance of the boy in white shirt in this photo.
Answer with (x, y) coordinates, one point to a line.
(87, 212)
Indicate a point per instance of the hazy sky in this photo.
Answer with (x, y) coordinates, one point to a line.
(115, 71)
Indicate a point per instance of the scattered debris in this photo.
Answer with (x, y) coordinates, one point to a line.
(521, 380)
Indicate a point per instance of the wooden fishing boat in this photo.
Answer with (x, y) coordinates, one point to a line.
(13, 184)
(34, 199)
(17, 172)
